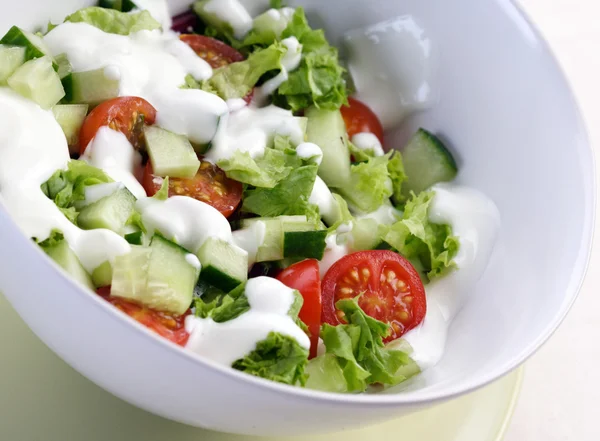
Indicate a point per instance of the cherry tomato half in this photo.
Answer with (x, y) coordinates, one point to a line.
(214, 52)
(210, 185)
(127, 114)
(166, 325)
(360, 118)
(390, 288)
(304, 276)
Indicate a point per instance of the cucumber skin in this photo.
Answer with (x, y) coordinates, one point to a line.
(305, 244)
(215, 277)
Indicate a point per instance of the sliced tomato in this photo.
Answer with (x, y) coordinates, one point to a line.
(166, 325)
(210, 185)
(127, 114)
(214, 52)
(304, 276)
(390, 289)
(360, 118)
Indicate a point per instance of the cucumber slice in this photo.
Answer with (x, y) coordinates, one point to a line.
(66, 258)
(102, 276)
(172, 276)
(70, 117)
(37, 80)
(11, 57)
(426, 162)
(305, 244)
(111, 212)
(171, 154)
(326, 128)
(64, 66)
(91, 87)
(271, 248)
(130, 274)
(223, 265)
(135, 238)
(34, 45)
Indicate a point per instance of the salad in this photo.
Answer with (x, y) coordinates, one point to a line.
(212, 177)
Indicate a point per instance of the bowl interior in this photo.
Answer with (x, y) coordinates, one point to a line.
(507, 113)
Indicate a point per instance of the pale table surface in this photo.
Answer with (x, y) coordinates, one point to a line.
(561, 391)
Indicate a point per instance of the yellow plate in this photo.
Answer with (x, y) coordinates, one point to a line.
(43, 399)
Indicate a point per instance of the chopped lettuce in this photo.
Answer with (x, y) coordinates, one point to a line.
(113, 21)
(236, 80)
(222, 307)
(266, 171)
(415, 237)
(398, 176)
(370, 185)
(360, 155)
(163, 193)
(356, 356)
(55, 238)
(65, 187)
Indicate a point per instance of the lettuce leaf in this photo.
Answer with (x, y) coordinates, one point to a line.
(236, 80)
(418, 239)
(266, 171)
(113, 21)
(369, 185)
(222, 307)
(355, 354)
(398, 176)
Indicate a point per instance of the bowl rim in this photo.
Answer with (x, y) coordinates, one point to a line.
(425, 397)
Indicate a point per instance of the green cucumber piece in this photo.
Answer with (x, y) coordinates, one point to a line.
(171, 154)
(135, 238)
(70, 117)
(33, 44)
(326, 128)
(426, 162)
(66, 258)
(172, 277)
(223, 265)
(271, 248)
(111, 212)
(305, 244)
(92, 87)
(102, 276)
(11, 57)
(212, 19)
(269, 24)
(37, 80)
(365, 234)
(130, 274)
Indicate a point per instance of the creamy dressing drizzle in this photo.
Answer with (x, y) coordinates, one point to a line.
(309, 150)
(290, 62)
(232, 12)
(322, 197)
(368, 141)
(250, 239)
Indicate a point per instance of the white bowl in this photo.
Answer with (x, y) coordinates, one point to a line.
(509, 114)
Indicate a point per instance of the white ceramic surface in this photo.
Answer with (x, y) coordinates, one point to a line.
(504, 108)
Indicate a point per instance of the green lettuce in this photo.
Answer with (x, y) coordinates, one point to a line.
(113, 21)
(431, 245)
(65, 187)
(356, 356)
(222, 307)
(398, 176)
(266, 171)
(236, 80)
(360, 155)
(369, 186)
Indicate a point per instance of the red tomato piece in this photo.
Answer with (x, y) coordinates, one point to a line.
(390, 288)
(126, 114)
(214, 52)
(360, 118)
(210, 185)
(164, 324)
(304, 276)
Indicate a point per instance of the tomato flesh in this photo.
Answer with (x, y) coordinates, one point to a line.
(166, 325)
(210, 185)
(389, 287)
(214, 52)
(126, 114)
(304, 276)
(360, 118)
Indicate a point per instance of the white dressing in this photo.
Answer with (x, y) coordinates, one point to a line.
(94, 193)
(224, 343)
(250, 239)
(193, 261)
(289, 62)
(322, 197)
(333, 253)
(159, 9)
(309, 150)
(233, 13)
(386, 214)
(475, 220)
(368, 141)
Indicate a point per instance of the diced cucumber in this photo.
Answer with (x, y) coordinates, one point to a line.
(111, 212)
(102, 276)
(171, 154)
(426, 162)
(223, 265)
(130, 274)
(34, 45)
(37, 80)
(11, 57)
(64, 65)
(64, 256)
(172, 276)
(70, 117)
(135, 238)
(305, 244)
(365, 234)
(326, 128)
(92, 87)
(270, 24)
(210, 18)
(271, 248)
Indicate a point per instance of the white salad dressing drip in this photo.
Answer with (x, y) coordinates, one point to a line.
(32, 148)
(152, 65)
(308, 150)
(255, 7)
(250, 239)
(322, 197)
(184, 220)
(334, 251)
(224, 343)
(111, 151)
(252, 129)
(392, 86)
(368, 141)
(193, 260)
(386, 214)
(289, 62)
(232, 12)
(94, 193)
(281, 18)
(159, 9)
(475, 220)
